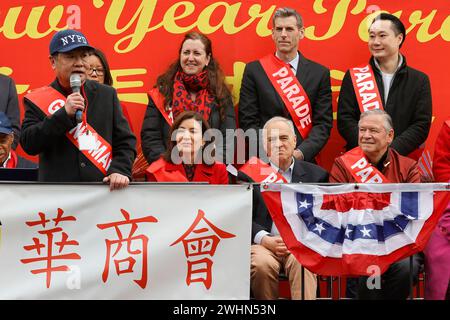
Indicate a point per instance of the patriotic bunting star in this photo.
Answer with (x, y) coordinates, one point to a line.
(366, 232)
(304, 204)
(347, 232)
(319, 228)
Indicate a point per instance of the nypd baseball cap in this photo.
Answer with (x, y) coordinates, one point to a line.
(5, 124)
(68, 40)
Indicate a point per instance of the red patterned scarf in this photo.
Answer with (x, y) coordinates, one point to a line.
(181, 100)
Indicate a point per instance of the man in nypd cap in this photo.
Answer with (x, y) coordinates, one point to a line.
(93, 145)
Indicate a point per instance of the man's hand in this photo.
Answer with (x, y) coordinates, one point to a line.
(275, 244)
(116, 181)
(298, 154)
(74, 102)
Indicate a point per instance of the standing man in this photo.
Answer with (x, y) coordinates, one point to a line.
(373, 161)
(9, 104)
(387, 83)
(289, 85)
(99, 148)
(269, 254)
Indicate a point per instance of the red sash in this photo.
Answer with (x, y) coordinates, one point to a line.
(291, 92)
(261, 172)
(158, 100)
(368, 95)
(366, 89)
(49, 101)
(158, 171)
(356, 162)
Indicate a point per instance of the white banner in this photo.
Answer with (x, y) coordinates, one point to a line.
(144, 242)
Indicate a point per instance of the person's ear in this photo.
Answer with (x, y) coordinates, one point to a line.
(10, 138)
(52, 61)
(391, 136)
(399, 39)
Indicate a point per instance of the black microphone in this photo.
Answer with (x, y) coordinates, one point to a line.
(75, 84)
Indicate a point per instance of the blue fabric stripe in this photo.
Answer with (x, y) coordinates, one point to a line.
(333, 235)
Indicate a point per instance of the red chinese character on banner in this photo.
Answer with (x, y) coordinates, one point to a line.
(49, 246)
(129, 262)
(203, 243)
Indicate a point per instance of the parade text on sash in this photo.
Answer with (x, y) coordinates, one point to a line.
(366, 89)
(361, 169)
(291, 92)
(261, 172)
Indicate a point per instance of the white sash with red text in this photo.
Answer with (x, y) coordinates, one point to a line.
(291, 92)
(366, 89)
(49, 101)
(361, 169)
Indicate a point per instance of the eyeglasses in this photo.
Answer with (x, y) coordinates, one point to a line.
(99, 72)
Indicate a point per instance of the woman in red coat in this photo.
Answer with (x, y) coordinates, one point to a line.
(186, 158)
(437, 252)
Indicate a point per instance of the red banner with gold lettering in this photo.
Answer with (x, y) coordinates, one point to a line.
(142, 37)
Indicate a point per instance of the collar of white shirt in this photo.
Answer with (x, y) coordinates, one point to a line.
(293, 62)
(286, 174)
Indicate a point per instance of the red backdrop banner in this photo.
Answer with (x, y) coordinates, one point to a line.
(142, 37)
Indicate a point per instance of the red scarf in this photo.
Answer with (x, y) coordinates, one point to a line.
(181, 100)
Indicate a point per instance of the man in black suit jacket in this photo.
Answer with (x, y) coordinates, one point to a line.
(259, 101)
(108, 154)
(269, 253)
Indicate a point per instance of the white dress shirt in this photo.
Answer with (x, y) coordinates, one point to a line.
(388, 77)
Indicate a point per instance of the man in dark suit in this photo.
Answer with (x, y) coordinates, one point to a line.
(9, 104)
(99, 145)
(260, 99)
(269, 253)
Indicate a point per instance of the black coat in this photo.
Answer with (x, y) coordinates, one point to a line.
(59, 159)
(155, 129)
(260, 102)
(9, 104)
(409, 105)
(302, 172)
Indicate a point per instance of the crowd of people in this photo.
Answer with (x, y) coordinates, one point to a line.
(81, 134)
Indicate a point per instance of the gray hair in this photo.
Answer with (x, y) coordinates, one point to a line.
(287, 12)
(279, 119)
(387, 123)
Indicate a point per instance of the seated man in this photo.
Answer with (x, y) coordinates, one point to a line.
(9, 104)
(8, 157)
(269, 253)
(384, 165)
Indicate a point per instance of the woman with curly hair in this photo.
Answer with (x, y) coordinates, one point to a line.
(194, 82)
